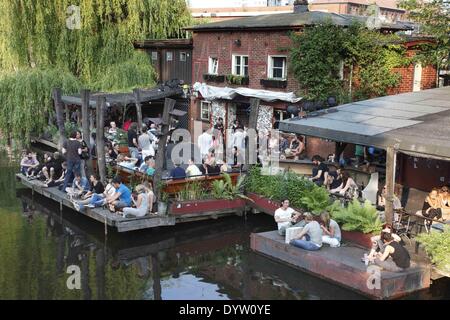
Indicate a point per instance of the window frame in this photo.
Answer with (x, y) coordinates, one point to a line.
(211, 67)
(204, 103)
(154, 55)
(241, 67)
(270, 67)
(167, 56)
(183, 54)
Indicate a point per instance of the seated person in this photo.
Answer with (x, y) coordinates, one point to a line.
(334, 178)
(151, 168)
(145, 165)
(310, 238)
(52, 168)
(381, 200)
(141, 204)
(60, 180)
(445, 199)
(96, 188)
(98, 199)
(223, 166)
(322, 171)
(432, 206)
(113, 128)
(126, 162)
(378, 245)
(395, 257)
(28, 163)
(113, 151)
(177, 172)
(284, 144)
(80, 185)
(331, 233)
(151, 196)
(36, 172)
(297, 147)
(192, 170)
(285, 217)
(121, 197)
(348, 187)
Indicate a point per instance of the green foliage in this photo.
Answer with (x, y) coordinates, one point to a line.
(192, 191)
(315, 200)
(295, 187)
(434, 18)
(369, 55)
(437, 245)
(26, 100)
(268, 186)
(357, 217)
(238, 80)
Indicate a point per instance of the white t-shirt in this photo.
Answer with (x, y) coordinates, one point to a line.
(193, 171)
(284, 214)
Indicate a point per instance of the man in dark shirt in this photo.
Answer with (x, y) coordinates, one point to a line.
(335, 179)
(322, 171)
(177, 172)
(219, 126)
(72, 150)
(133, 146)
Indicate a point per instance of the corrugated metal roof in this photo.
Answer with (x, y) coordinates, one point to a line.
(290, 21)
(417, 123)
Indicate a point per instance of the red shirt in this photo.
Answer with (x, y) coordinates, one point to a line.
(127, 125)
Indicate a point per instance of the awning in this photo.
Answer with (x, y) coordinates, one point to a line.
(415, 123)
(213, 93)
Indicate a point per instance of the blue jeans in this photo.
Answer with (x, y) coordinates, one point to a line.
(97, 200)
(73, 167)
(134, 152)
(305, 244)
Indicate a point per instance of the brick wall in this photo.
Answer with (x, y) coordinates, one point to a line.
(257, 45)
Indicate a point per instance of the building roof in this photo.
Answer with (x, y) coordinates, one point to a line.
(123, 99)
(416, 123)
(290, 21)
(164, 44)
(385, 4)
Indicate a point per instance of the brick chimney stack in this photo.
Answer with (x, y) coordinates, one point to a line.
(301, 6)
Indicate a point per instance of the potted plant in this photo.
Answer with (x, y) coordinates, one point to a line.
(162, 204)
(213, 77)
(238, 80)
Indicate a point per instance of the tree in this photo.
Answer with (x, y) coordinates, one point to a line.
(434, 19)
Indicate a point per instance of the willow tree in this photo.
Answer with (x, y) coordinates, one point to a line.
(89, 39)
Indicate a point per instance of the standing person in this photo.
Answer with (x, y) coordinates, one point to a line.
(127, 124)
(331, 233)
(285, 217)
(141, 204)
(220, 126)
(72, 150)
(204, 143)
(84, 153)
(133, 145)
(322, 171)
(310, 238)
(238, 139)
(395, 257)
(144, 142)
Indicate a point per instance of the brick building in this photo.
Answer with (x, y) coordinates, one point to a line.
(254, 53)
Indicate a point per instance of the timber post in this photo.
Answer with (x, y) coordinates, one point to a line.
(391, 157)
(252, 124)
(101, 161)
(85, 115)
(66, 108)
(169, 104)
(59, 115)
(137, 98)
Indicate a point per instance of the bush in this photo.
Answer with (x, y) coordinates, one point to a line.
(437, 245)
(357, 217)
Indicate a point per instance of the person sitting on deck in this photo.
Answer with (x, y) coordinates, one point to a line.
(97, 187)
(36, 172)
(80, 185)
(144, 166)
(192, 170)
(445, 199)
(310, 238)
(395, 257)
(121, 197)
(322, 171)
(54, 183)
(141, 204)
(126, 162)
(52, 168)
(151, 167)
(285, 217)
(331, 233)
(348, 187)
(98, 199)
(378, 245)
(177, 172)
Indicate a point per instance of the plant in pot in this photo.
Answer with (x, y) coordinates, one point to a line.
(162, 204)
(315, 200)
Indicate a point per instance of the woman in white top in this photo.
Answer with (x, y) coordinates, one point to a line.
(192, 170)
(141, 204)
(285, 217)
(348, 186)
(331, 233)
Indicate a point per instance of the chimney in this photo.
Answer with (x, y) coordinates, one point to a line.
(301, 6)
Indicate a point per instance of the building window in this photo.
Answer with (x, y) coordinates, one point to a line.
(205, 110)
(277, 67)
(154, 55)
(240, 66)
(213, 67)
(183, 56)
(169, 56)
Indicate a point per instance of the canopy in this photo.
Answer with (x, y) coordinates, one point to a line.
(212, 93)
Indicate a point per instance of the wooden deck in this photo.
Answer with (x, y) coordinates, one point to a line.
(99, 214)
(343, 266)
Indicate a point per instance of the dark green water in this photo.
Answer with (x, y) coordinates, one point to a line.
(204, 260)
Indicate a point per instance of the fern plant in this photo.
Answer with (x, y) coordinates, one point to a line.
(437, 246)
(315, 200)
(357, 217)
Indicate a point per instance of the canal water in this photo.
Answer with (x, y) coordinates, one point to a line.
(196, 261)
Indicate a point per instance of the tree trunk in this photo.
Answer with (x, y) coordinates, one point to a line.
(85, 116)
(137, 97)
(101, 161)
(169, 104)
(59, 116)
